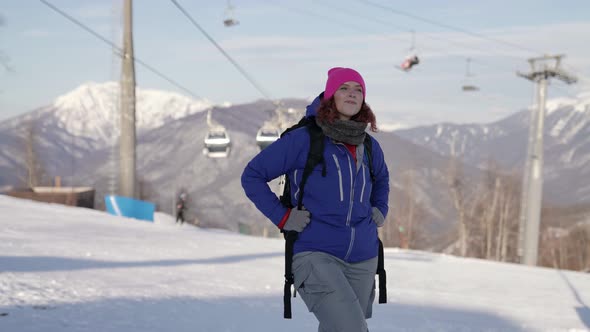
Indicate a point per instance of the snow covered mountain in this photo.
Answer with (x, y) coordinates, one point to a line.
(90, 111)
(566, 145)
(83, 121)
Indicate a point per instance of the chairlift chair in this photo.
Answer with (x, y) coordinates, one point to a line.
(217, 143)
(468, 86)
(412, 57)
(409, 62)
(229, 20)
(266, 136)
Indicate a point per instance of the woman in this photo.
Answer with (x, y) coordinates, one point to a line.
(336, 251)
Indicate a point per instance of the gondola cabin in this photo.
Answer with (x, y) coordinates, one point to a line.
(217, 143)
(265, 136)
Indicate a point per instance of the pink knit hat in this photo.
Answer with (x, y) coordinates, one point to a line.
(338, 76)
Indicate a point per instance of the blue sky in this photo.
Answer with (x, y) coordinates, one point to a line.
(288, 46)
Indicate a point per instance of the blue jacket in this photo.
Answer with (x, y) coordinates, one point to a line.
(340, 203)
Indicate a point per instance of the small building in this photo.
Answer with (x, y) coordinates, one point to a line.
(73, 196)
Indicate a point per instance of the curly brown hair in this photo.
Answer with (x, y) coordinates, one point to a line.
(327, 113)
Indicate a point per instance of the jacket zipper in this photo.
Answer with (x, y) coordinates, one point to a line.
(349, 216)
(351, 203)
(339, 177)
(352, 236)
(364, 182)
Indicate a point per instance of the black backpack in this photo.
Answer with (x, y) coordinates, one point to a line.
(314, 158)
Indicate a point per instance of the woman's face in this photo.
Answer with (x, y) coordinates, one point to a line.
(348, 99)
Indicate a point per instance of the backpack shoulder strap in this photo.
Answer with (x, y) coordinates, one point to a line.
(290, 238)
(368, 143)
(314, 157)
(285, 196)
(303, 122)
(382, 275)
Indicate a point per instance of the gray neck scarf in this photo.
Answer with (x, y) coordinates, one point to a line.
(347, 131)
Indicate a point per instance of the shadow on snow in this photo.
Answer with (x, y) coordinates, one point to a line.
(229, 314)
(47, 264)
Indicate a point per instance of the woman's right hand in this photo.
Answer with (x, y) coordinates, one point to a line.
(297, 220)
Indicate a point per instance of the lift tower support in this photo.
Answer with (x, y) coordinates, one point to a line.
(542, 69)
(127, 141)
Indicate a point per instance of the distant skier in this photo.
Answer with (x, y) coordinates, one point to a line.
(180, 207)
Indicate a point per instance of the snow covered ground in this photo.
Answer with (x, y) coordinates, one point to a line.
(74, 269)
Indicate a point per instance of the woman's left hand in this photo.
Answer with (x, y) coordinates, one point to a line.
(378, 217)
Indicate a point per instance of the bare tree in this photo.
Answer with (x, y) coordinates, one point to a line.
(565, 237)
(509, 207)
(404, 225)
(456, 186)
(580, 241)
(387, 232)
(487, 213)
(566, 248)
(410, 214)
(492, 216)
(482, 217)
(407, 220)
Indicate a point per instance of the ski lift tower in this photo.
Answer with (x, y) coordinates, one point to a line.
(542, 68)
(127, 140)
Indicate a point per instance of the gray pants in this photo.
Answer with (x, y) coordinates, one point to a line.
(340, 294)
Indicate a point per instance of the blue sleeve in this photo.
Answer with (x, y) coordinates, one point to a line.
(277, 159)
(380, 192)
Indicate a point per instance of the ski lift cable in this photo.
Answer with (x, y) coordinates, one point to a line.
(579, 74)
(568, 93)
(450, 27)
(220, 49)
(413, 40)
(363, 29)
(326, 18)
(404, 29)
(468, 70)
(372, 19)
(447, 26)
(465, 31)
(563, 87)
(119, 49)
(230, 7)
(342, 9)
